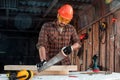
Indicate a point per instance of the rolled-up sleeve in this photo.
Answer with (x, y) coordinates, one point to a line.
(74, 37)
(43, 38)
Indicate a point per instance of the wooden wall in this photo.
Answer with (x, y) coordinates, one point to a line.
(104, 43)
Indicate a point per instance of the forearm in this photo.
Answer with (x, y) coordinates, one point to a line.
(42, 53)
(76, 46)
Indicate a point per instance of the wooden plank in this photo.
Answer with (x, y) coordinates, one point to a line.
(33, 67)
(117, 42)
(95, 39)
(103, 47)
(83, 66)
(90, 46)
(53, 70)
(110, 44)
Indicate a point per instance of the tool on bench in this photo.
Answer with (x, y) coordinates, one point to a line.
(95, 67)
(20, 75)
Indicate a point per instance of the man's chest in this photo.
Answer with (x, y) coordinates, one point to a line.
(56, 36)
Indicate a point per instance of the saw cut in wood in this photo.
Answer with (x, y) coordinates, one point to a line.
(53, 70)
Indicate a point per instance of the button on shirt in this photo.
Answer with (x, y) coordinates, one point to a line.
(53, 40)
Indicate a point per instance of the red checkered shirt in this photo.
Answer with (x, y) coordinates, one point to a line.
(53, 41)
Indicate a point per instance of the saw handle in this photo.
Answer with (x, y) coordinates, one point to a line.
(41, 64)
(67, 50)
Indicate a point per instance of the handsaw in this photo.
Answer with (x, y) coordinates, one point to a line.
(61, 55)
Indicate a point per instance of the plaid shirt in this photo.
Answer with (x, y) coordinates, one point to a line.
(53, 41)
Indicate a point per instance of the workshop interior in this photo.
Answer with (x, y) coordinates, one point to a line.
(97, 23)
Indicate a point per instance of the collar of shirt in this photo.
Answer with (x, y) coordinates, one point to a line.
(57, 26)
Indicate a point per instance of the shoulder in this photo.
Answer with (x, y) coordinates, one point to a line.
(48, 25)
(71, 27)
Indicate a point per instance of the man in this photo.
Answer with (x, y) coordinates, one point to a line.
(57, 35)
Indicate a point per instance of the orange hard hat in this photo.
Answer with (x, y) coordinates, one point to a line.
(66, 11)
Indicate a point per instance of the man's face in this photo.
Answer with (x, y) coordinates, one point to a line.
(62, 21)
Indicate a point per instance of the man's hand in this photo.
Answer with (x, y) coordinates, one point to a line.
(39, 65)
(67, 50)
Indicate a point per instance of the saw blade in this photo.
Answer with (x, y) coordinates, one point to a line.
(53, 61)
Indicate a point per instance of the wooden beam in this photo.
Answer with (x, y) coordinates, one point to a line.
(34, 67)
(107, 14)
(51, 6)
(53, 70)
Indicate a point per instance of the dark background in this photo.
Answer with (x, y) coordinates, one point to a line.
(20, 23)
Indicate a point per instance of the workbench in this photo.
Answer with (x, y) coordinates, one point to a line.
(74, 76)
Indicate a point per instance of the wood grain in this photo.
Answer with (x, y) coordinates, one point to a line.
(53, 70)
(34, 67)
